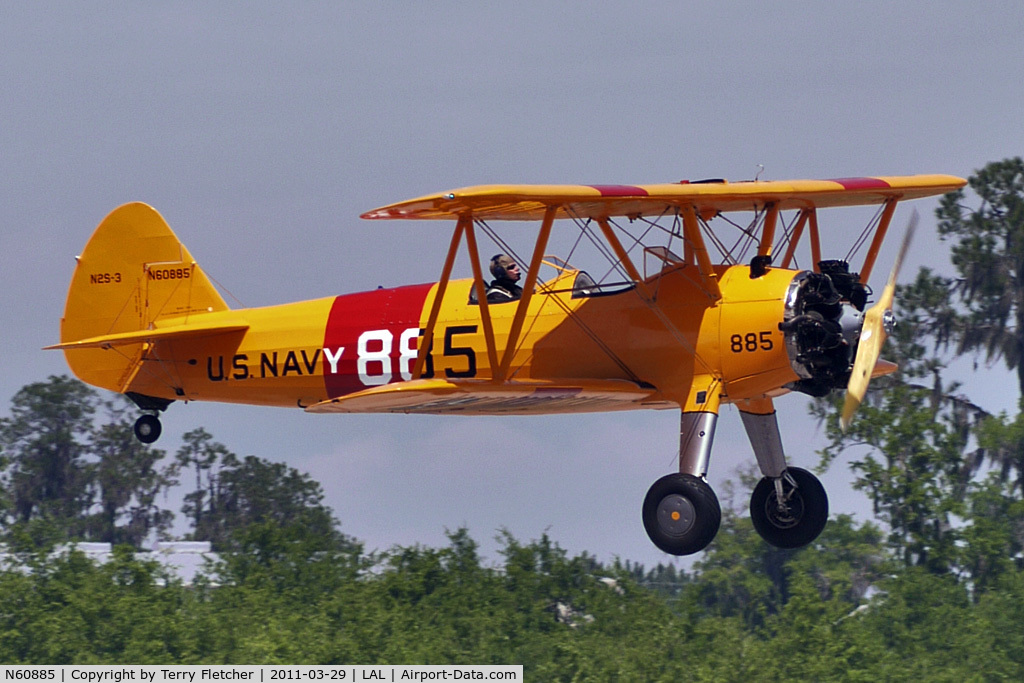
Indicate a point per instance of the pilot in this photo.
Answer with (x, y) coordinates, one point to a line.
(506, 273)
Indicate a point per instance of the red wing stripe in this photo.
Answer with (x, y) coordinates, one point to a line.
(862, 183)
(620, 190)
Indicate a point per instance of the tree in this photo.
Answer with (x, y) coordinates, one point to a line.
(989, 259)
(67, 478)
(925, 445)
(47, 472)
(126, 483)
(911, 446)
(741, 576)
(202, 455)
(232, 494)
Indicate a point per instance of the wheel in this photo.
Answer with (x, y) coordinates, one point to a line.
(800, 518)
(681, 514)
(147, 428)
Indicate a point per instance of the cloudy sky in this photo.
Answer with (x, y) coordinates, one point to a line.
(262, 130)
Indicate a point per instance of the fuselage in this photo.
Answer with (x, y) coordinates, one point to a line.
(301, 353)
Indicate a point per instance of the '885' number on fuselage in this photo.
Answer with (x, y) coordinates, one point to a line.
(375, 365)
(751, 341)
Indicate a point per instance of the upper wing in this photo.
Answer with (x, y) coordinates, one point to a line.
(476, 397)
(529, 202)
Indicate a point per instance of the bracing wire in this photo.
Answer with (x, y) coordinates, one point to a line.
(865, 233)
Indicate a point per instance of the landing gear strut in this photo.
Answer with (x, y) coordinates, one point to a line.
(681, 512)
(789, 507)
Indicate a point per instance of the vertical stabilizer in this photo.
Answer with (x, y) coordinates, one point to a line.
(133, 274)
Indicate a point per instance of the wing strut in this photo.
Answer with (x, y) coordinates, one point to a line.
(876, 243)
(768, 233)
(691, 229)
(794, 239)
(644, 292)
(442, 285)
(481, 294)
(624, 259)
(528, 287)
(815, 242)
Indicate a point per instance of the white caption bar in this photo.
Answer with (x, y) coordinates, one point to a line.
(257, 674)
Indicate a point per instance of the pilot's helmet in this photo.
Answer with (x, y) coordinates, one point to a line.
(499, 263)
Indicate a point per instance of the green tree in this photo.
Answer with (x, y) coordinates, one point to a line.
(741, 576)
(988, 257)
(202, 455)
(47, 471)
(63, 608)
(911, 446)
(992, 533)
(921, 449)
(127, 482)
(67, 475)
(235, 494)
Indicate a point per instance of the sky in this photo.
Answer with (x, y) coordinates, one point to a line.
(261, 131)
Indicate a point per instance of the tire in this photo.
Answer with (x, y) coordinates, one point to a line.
(681, 514)
(804, 515)
(147, 428)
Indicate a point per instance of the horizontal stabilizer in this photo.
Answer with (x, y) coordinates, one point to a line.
(158, 334)
(481, 397)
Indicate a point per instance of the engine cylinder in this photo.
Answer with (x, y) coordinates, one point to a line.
(823, 318)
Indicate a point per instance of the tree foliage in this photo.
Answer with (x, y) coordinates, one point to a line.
(70, 479)
(989, 256)
(564, 617)
(233, 493)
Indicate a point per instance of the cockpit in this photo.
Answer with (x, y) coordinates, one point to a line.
(559, 277)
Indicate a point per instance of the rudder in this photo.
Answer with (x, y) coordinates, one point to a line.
(133, 273)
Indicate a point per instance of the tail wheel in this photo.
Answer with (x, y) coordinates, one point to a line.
(801, 515)
(147, 428)
(681, 514)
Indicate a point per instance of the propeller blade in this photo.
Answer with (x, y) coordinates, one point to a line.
(872, 335)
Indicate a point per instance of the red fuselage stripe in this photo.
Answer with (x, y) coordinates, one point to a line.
(352, 315)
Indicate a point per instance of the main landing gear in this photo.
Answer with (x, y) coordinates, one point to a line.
(789, 511)
(147, 428)
(681, 513)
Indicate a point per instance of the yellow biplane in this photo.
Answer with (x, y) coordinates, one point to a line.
(701, 304)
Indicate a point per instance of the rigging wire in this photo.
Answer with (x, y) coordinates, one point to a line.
(662, 316)
(616, 264)
(788, 237)
(745, 231)
(571, 314)
(225, 289)
(869, 229)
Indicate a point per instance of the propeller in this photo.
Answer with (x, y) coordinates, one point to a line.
(878, 323)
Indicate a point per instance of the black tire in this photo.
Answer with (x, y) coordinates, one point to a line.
(681, 514)
(802, 518)
(147, 428)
